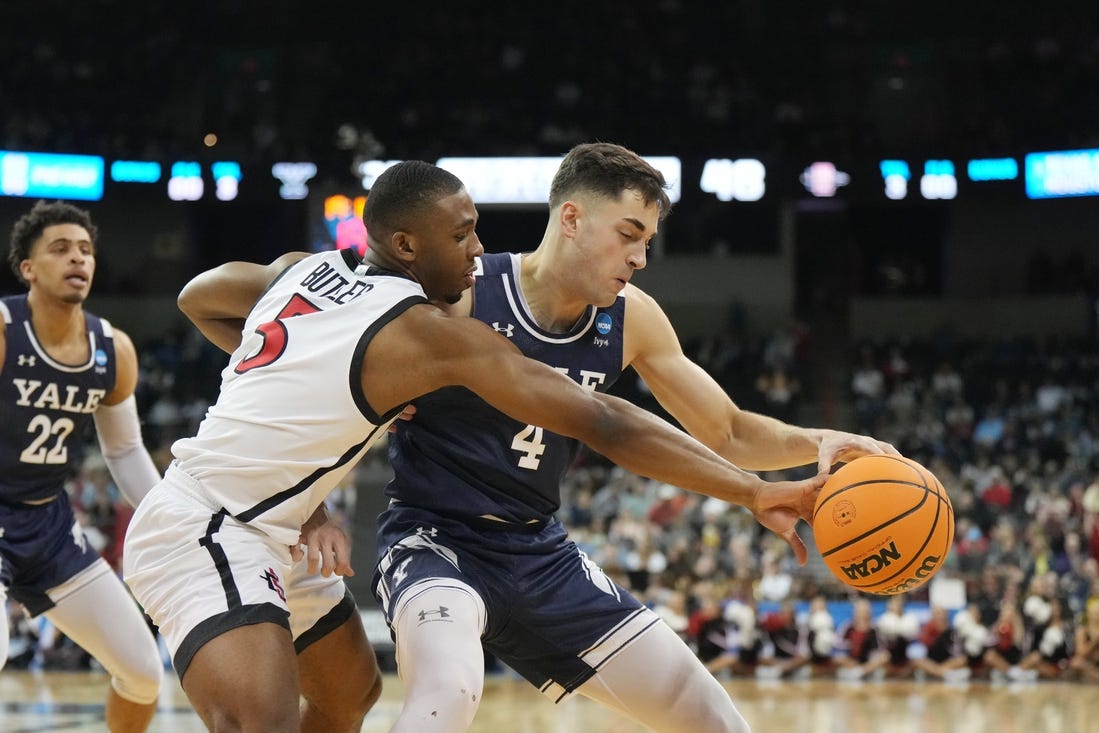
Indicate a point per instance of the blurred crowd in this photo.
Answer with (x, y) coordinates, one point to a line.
(1010, 427)
(843, 78)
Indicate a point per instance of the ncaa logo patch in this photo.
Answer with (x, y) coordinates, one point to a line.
(603, 323)
(100, 357)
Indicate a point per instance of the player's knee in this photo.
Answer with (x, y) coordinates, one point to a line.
(138, 680)
(346, 715)
(372, 695)
(448, 706)
(705, 707)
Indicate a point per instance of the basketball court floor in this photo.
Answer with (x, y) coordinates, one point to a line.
(73, 702)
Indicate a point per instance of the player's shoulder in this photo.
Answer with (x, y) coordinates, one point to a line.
(640, 306)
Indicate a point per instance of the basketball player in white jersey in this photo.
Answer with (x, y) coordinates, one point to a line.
(62, 368)
(331, 352)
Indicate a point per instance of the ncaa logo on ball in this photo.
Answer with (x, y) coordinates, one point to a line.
(872, 563)
(843, 513)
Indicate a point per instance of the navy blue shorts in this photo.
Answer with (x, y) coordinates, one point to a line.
(41, 547)
(552, 615)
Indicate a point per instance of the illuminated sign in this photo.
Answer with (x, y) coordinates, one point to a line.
(226, 179)
(343, 219)
(743, 179)
(46, 174)
(992, 169)
(526, 180)
(135, 171)
(369, 170)
(1063, 173)
(293, 177)
(938, 180)
(822, 179)
(896, 175)
(186, 182)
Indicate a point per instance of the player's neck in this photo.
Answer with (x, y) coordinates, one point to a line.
(545, 288)
(56, 323)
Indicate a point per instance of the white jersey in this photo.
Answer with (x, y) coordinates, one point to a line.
(291, 419)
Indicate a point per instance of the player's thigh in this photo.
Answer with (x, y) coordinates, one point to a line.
(337, 666)
(246, 679)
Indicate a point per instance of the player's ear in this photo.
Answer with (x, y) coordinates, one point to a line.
(404, 246)
(568, 215)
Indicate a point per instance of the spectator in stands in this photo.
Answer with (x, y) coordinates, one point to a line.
(973, 636)
(943, 657)
(897, 629)
(743, 641)
(821, 636)
(784, 637)
(1049, 656)
(861, 651)
(1085, 657)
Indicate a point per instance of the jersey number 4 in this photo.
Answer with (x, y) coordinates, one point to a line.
(528, 441)
(274, 334)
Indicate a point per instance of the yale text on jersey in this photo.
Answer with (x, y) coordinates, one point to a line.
(47, 396)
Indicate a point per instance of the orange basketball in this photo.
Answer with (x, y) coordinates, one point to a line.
(883, 524)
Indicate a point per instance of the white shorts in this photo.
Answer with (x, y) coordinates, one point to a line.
(199, 573)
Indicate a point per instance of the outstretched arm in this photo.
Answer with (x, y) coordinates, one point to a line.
(702, 407)
(218, 300)
(424, 349)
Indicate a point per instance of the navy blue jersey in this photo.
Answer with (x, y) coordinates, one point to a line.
(47, 405)
(463, 458)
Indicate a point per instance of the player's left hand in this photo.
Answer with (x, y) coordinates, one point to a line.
(325, 545)
(839, 447)
(780, 504)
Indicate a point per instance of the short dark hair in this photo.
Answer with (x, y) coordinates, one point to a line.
(29, 227)
(607, 170)
(402, 192)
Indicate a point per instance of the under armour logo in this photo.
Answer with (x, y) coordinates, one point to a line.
(442, 613)
(401, 572)
(28, 359)
(508, 330)
(430, 531)
(273, 582)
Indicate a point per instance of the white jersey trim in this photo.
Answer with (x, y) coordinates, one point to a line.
(519, 307)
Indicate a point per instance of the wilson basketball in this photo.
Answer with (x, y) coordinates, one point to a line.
(883, 524)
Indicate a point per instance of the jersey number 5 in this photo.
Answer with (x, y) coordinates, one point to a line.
(274, 334)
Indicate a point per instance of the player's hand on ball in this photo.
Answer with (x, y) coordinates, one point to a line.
(837, 447)
(779, 506)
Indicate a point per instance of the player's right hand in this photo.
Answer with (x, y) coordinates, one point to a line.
(780, 504)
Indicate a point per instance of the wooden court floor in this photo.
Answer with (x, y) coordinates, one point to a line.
(73, 702)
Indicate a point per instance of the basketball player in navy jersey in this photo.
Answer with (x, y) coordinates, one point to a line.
(332, 349)
(471, 526)
(61, 368)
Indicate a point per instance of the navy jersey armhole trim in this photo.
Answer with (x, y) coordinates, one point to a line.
(355, 375)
